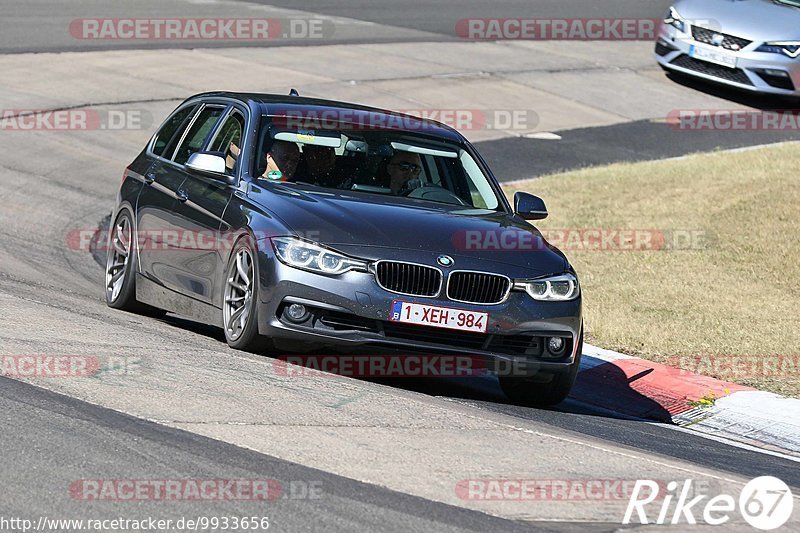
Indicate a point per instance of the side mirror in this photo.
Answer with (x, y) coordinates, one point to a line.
(208, 164)
(529, 207)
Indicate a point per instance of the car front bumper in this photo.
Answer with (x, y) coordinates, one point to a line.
(351, 315)
(751, 72)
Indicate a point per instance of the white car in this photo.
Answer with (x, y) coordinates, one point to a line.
(748, 44)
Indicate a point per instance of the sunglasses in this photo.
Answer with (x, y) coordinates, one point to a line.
(408, 167)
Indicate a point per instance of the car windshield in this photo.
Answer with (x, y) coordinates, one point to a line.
(390, 163)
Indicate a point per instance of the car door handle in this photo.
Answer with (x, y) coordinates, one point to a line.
(149, 178)
(182, 195)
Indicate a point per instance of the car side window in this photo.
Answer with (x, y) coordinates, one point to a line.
(431, 170)
(169, 135)
(198, 133)
(480, 192)
(228, 140)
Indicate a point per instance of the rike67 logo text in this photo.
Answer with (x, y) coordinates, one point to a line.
(765, 503)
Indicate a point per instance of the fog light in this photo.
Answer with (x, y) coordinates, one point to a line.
(555, 345)
(777, 73)
(297, 312)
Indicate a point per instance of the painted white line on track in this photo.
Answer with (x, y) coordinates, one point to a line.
(593, 446)
(723, 440)
(544, 136)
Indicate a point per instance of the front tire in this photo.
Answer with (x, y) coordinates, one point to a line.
(240, 299)
(533, 392)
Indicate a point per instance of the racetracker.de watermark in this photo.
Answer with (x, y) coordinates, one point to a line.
(66, 366)
(401, 366)
(412, 119)
(91, 240)
(74, 119)
(379, 366)
(199, 29)
(558, 29)
(546, 489)
(738, 366)
(170, 490)
(734, 120)
(582, 239)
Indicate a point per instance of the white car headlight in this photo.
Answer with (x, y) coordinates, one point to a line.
(790, 48)
(308, 256)
(559, 288)
(674, 19)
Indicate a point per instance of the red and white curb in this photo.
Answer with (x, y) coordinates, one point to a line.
(643, 389)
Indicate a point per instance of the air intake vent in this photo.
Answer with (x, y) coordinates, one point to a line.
(477, 287)
(729, 42)
(731, 74)
(408, 278)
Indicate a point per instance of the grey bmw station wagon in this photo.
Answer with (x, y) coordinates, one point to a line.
(298, 224)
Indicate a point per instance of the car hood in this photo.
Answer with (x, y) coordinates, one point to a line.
(364, 226)
(757, 20)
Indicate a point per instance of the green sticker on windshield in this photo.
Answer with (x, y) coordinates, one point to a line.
(274, 174)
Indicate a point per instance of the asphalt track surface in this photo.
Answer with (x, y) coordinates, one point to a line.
(418, 15)
(38, 25)
(51, 299)
(110, 444)
(521, 158)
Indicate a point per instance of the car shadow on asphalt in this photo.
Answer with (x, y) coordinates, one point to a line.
(600, 389)
(604, 391)
(206, 330)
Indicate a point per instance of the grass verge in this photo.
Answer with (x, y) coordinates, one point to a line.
(721, 297)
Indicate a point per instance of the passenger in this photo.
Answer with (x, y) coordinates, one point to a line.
(282, 161)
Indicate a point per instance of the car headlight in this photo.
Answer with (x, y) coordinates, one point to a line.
(308, 256)
(551, 289)
(790, 48)
(674, 19)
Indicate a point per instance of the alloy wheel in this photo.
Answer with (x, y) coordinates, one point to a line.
(238, 294)
(118, 257)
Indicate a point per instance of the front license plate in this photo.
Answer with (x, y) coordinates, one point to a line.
(712, 55)
(438, 317)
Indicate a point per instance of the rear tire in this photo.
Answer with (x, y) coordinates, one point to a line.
(121, 260)
(240, 299)
(531, 392)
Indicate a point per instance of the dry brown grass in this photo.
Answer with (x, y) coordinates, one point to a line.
(735, 299)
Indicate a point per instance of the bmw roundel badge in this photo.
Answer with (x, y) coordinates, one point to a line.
(445, 260)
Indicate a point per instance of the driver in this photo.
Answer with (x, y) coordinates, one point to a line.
(403, 169)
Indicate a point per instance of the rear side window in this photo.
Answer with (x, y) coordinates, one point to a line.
(198, 133)
(170, 133)
(229, 140)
